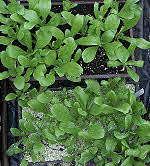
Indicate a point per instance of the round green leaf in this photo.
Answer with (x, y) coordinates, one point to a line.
(68, 17)
(89, 54)
(44, 8)
(136, 63)
(108, 36)
(72, 69)
(65, 52)
(142, 43)
(112, 97)
(43, 37)
(17, 18)
(89, 41)
(113, 64)
(24, 61)
(86, 156)
(110, 144)
(124, 108)
(56, 32)
(122, 54)
(111, 48)
(77, 24)
(145, 149)
(37, 106)
(39, 71)
(78, 55)
(61, 113)
(5, 40)
(7, 30)
(29, 25)
(15, 132)
(112, 22)
(68, 159)
(14, 51)
(7, 61)
(68, 127)
(19, 82)
(50, 57)
(93, 86)
(32, 16)
(99, 109)
(48, 80)
(10, 96)
(81, 97)
(100, 132)
(55, 20)
(4, 75)
(34, 62)
(59, 132)
(45, 97)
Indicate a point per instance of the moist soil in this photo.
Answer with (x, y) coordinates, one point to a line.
(99, 65)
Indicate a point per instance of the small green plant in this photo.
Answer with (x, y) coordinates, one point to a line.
(101, 123)
(37, 47)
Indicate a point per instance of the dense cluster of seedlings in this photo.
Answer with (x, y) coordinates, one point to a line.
(102, 122)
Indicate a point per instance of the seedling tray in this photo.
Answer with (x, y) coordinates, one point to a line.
(46, 163)
(97, 69)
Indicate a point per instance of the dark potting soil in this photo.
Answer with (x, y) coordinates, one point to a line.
(82, 9)
(99, 65)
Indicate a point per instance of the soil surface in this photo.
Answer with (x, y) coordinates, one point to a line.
(99, 65)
